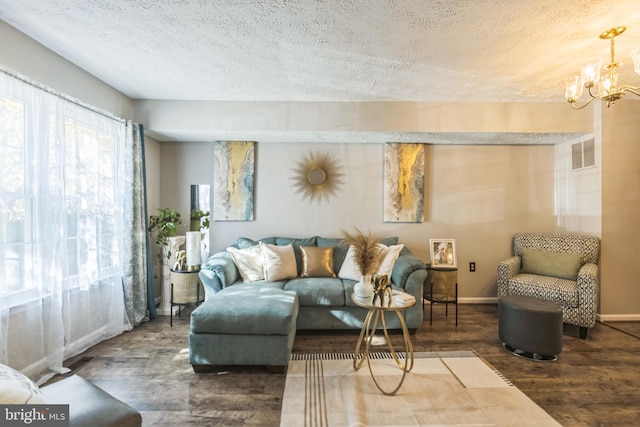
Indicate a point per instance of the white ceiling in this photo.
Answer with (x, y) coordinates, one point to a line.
(332, 50)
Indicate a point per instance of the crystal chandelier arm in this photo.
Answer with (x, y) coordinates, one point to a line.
(633, 89)
(573, 103)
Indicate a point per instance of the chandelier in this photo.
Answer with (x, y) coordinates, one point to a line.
(608, 89)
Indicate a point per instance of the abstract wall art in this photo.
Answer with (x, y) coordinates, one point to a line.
(404, 182)
(233, 180)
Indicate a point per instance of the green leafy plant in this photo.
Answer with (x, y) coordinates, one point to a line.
(199, 220)
(164, 225)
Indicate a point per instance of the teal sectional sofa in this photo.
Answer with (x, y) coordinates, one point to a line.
(250, 320)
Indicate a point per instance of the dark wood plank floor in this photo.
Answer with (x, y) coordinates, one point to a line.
(595, 382)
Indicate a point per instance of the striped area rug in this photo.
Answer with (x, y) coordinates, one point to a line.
(443, 389)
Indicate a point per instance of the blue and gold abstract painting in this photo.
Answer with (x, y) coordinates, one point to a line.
(404, 182)
(233, 178)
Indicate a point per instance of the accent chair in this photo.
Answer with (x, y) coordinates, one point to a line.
(562, 268)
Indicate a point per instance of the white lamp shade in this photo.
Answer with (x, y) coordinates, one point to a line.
(193, 248)
(590, 71)
(573, 89)
(635, 55)
(608, 82)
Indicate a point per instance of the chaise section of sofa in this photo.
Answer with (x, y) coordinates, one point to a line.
(246, 325)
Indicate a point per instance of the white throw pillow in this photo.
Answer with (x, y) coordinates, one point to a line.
(249, 261)
(389, 256)
(349, 269)
(279, 262)
(17, 389)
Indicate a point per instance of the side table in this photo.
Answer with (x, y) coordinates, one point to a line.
(441, 287)
(185, 289)
(368, 331)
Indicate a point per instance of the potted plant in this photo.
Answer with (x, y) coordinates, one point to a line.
(164, 225)
(199, 220)
(366, 255)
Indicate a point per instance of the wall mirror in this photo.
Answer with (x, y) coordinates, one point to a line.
(201, 208)
(200, 203)
(318, 176)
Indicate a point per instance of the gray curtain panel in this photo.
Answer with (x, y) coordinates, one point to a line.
(135, 276)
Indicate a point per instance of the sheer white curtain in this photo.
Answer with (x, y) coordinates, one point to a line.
(61, 227)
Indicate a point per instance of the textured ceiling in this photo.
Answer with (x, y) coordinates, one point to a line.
(333, 50)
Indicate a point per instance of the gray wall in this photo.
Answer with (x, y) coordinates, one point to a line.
(478, 195)
(24, 55)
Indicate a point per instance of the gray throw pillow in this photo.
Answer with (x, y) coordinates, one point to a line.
(554, 264)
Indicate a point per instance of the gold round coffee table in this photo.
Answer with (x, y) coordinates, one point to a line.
(368, 331)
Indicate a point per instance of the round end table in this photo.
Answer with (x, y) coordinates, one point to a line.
(368, 331)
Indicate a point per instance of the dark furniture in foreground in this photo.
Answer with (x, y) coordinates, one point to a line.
(530, 327)
(89, 405)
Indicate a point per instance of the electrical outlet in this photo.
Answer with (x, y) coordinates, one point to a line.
(472, 266)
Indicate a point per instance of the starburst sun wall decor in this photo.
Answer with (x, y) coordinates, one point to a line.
(318, 176)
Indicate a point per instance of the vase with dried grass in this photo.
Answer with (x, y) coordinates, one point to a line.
(367, 255)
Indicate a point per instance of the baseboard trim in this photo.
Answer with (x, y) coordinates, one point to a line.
(478, 300)
(475, 300)
(618, 317)
(600, 317)
(167, 312)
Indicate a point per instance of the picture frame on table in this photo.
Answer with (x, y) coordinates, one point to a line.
(443, 253)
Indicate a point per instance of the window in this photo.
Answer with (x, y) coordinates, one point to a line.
(91, 249)
(14, 204)
(58, 196)
(62, 226)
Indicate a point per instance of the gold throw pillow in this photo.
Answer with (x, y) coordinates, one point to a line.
(317, 262)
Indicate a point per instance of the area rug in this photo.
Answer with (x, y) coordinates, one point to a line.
(443, 389)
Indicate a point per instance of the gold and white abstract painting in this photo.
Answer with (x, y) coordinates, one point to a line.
(404, 182)
(233, 180)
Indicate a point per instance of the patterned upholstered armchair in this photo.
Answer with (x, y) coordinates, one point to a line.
(562, 268)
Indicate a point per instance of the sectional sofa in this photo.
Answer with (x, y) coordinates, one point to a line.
(259, 292)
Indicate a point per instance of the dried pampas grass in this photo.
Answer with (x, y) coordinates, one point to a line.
(367, 251)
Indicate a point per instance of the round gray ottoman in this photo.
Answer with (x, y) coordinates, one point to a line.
(530, 327)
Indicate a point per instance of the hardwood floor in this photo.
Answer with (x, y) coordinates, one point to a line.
(595, 382)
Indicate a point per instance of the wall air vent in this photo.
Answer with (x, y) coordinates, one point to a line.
(583, 155)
